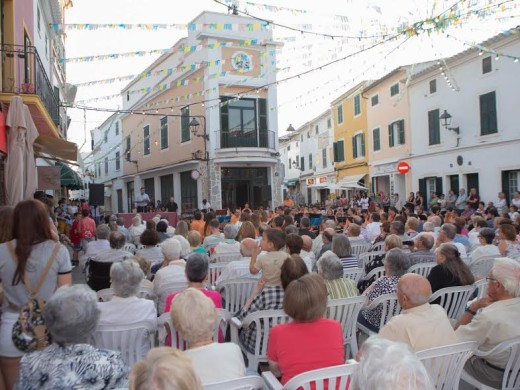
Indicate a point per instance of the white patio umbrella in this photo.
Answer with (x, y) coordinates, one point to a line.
(20, 170)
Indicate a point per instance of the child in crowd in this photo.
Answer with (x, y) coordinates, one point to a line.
(273, 242)
(75, 238)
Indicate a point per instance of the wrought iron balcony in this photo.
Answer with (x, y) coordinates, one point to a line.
(246, 139)
(24, 73)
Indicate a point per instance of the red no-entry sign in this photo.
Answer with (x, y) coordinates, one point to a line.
(403, 167)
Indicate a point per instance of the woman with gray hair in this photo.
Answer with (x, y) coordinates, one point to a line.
(71, 316)
(330, 268)
(341, 247)
(136, 230)
(396, 265)
(125, 308)
(194, 317)
(389, 364)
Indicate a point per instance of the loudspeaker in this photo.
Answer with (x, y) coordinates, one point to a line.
(96, 194)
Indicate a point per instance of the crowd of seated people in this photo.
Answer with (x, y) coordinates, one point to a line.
(296, 256)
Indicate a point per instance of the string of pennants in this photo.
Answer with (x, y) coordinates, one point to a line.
(241, 27)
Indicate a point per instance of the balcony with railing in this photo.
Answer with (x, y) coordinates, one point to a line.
(23, 73)
(246, 138)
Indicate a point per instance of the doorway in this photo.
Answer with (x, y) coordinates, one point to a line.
(245, 185)
(454, 183)
(130, 196)
(472, 182)
(119, 201)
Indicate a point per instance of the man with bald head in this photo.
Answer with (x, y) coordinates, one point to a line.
(422, 253)
(306, 251)
(420, 324)
(327, 236)
(240, 268)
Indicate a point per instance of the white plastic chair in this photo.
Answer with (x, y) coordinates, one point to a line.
(106, 294)
(214, 271)
(422, 268)
(511, 379)
(376, 272)
(235, 293)
(482, 267)
(129, 247)
(338, 377)
(481, 286)
(225, 257)
(353, 273)
(453, 299)
(165, 328)
(167, 289)
(367, 257)
(389, 307)
(358, 249)
(245, 383)
(133, 341)
(346, 311)
(445, 364)
(378, 247)
(264, 320)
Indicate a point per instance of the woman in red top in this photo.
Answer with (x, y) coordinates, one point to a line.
(309, 342)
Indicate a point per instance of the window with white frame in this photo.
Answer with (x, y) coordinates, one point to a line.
(374, 100)
(146, 140)
(164, 132)
(358, 145)
(340, 113)
(396, 135)
(394, 89)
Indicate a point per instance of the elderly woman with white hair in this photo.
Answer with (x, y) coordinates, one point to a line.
(71, 316)
(390, 365)
(125, 308)
(136, 230)
(195, 318)
(167, 369)
(330, 268)
(172, 271)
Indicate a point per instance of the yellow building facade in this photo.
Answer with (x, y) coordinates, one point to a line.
(350, 135)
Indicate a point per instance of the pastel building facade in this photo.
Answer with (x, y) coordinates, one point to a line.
(206, 126)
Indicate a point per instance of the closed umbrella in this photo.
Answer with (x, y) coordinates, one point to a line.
(20, 171)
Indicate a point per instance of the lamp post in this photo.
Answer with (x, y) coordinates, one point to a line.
(446, 122)
(194, 125)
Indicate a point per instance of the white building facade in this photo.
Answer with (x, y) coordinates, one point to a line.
(479, 89)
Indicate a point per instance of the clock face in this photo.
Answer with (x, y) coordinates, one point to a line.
(195, 174)
(242, 62)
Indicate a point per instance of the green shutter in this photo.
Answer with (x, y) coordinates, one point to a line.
(335, 149)
(391, 141)
(363, 145)
(401, 132)
(341, 151)
(434, 135)
(354, 147)
(377, 139)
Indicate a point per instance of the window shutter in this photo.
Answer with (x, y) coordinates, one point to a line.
(401, 132)
(335, 148)
(362, 152)
(302, 165)
(438, 185)
(390, 135)
(341, 150)
(354, 147)
(422, 187)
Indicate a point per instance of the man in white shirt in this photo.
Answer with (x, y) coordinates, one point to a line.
(240, 268)
(306, 253)
(99, 246)
(141, 201)
(374, 227)
(172, 273)
(491, 320)
(420, 325)
(115, 252)
(229, 245)
(446, 235)
(204, 206)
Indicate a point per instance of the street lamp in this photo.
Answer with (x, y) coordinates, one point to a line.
(194, 125)
(446, 122)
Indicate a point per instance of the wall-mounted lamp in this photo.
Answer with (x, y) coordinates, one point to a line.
(446, 122)
(194, 124)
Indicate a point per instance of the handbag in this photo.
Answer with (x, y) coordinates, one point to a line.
(29, 331)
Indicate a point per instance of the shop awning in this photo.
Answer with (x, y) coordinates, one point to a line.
(291, 182)
(351, 181)
(69, 178)
(55, 148)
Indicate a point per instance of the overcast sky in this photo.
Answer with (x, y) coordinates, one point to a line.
(299, 100)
